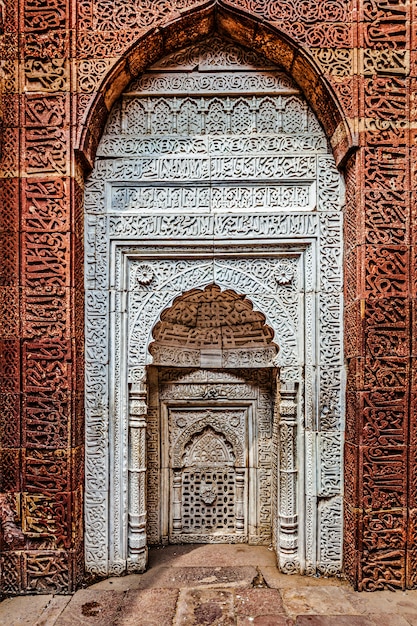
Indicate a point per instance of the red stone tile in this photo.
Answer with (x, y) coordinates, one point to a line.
(386, 373)
(351, 537)
(47, 367)
(47, 572)
(45, 205)
(9, 199)
(9, 312)
(354, 336)
(352, 422)
(10, 366)
(46, 314)
(412, 545)
(46, 471)
(10, 420)
(258, 602)
(46, 421)
(9, 258)
(11, 573)
(10, 468)
(383, 417)
(351, 474)
(382, 569)
(144, 603)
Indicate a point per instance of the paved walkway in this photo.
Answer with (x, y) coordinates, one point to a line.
(218, 585)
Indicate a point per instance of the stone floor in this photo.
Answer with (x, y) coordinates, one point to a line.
(219, 585)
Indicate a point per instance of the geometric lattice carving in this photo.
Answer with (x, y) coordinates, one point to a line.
(208, 491)
(209, 500)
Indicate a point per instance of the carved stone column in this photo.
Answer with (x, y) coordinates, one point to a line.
(240, 499)
(137, 548)
(287, 549)
(176, 502)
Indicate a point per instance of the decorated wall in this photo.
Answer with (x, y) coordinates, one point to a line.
(63, 67)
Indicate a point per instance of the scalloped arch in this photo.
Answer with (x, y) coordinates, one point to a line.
(247, 30)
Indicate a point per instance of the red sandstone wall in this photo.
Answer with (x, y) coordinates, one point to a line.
(64, 65)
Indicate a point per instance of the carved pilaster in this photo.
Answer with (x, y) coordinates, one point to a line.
(176, 502)
(137, 548)
(240, 495)
(287, 549)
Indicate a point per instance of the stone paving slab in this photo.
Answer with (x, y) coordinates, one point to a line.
(180, 577)
(53, 610)
(257, 602)
(92, 607)
(317, 601)
(149, 607)
(23, 611)
(224, 555)
(184, 590)
(386, 602)
(277, 580)
(350, 620)
(205, 606)
(118, 583)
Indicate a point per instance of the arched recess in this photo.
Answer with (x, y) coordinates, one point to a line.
(213, 383)
(246, 29)
(283, 252)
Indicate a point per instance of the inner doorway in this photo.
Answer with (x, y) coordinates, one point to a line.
(210, 441)
(208, 459)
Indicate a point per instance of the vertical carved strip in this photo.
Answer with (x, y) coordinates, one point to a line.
(240, 495)
(137, 550)
(287, 549)
(176, 502)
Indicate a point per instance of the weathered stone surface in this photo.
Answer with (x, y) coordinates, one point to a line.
(313, 600)
(205, 606)
(222, 555)
(150, 607)
(53, 610)
(351, 620)
(257, 603)
(24, 611)
(92, 607)
(180, 577)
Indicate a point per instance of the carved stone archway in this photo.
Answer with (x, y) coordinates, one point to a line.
(196, 184)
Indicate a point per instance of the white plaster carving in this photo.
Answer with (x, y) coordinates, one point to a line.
(196, 185)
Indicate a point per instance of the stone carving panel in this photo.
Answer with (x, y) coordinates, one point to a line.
(196, 185)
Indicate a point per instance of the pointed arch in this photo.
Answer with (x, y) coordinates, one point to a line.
(244, 28)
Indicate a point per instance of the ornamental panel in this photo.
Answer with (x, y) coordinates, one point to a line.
(213, 173)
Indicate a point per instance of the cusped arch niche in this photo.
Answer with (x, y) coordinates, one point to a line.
(213, 328)
(214, 170)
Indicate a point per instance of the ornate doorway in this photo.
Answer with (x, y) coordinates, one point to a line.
(213, 172)
(210, 441)
(208, 475)
(217, 456)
